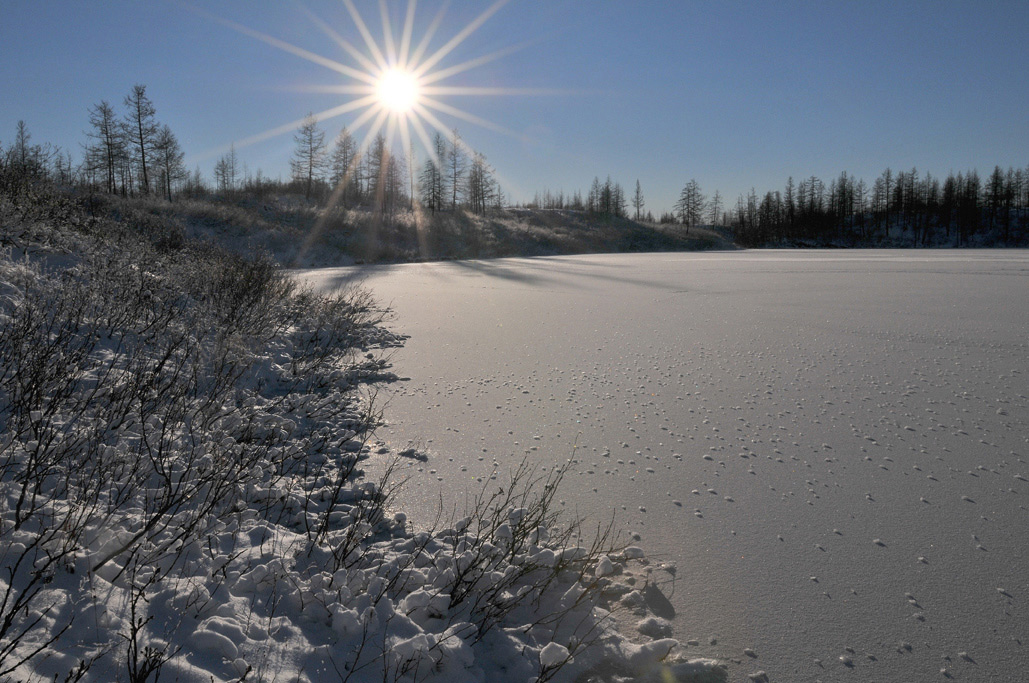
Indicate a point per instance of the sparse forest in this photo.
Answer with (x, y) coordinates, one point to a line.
(369, 203)
(345, 200)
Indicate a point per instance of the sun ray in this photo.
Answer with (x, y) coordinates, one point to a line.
(290, 48)
(430, 32)
(397, 91)
(459, 38)
(478, 91)
(423, 135)
(473, 63)
(347, 46)
(369, 41)
(405, 40)
(387, 31)
(292, 125)
(364, 117)
(463, 115)
(338, 89)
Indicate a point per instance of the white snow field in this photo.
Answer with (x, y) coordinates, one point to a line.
(829, 450)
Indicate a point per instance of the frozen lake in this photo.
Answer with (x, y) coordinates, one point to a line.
(831, 447)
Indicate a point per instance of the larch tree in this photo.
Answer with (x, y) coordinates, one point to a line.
(141, 132)
(690, 206)
(168, 157)
(456, 163)
(593, 198)
(376, 164)
(343, 168)
(395, 178)
(714, 208)
(887, 188)
(308, 162)
(432, 179)
(226, 172)
(107, 146)
(480, 185)
(637, 200)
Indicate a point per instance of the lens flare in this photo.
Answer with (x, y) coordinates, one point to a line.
(398, 90)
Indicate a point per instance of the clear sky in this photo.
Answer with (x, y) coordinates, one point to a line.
(734, 94)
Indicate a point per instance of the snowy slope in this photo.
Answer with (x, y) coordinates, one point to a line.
(182, 496)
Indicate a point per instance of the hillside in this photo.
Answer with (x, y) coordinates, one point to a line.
(295, 232)
(182, 437)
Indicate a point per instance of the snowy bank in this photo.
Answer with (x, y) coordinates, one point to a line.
(181, 494)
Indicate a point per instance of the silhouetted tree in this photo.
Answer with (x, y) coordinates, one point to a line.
(637, 199)
(226, 171)
(456, 163)
(168, 157)
(141, 132)
(343, 165)
(432, 180)
(308, 162)
(715, 209)
(690, 206)
(107, 147)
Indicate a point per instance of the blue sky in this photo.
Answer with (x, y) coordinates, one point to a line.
(734, 94)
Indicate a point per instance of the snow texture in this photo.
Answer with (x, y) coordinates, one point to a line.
(181, 493)
(814, 436)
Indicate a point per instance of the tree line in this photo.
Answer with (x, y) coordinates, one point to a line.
(604, 200)
(131, 153)
(902, 207)
(347, 174)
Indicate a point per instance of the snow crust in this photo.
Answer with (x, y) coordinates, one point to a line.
(759, 420)
(290, 565)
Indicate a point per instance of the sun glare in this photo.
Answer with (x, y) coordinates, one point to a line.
(397, 84)
(397, 90)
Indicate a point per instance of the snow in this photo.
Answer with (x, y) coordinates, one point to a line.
(829, 431)
(553, 654)
(231, 534)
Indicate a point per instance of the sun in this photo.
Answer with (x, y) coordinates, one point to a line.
(398, 90)
(395, 85)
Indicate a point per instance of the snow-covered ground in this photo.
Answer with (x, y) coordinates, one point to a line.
(182, 437)
(831, 448)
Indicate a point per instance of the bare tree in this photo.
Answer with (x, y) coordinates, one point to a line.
(308, 162)
(343, 165)
(481, 185)
(141, 131)
(108, 147)
(226, 171)
(456, 163)
(376, 164)
(637, 199)
(393, 187)
(690, 205)
(714, 208)
(431, 182)
(168, 156)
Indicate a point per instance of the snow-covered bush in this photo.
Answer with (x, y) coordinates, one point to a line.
(181, 435)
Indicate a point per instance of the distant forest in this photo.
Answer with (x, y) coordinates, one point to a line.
(905, 208)
(132, 154)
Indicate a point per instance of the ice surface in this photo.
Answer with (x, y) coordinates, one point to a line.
(859, 417)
